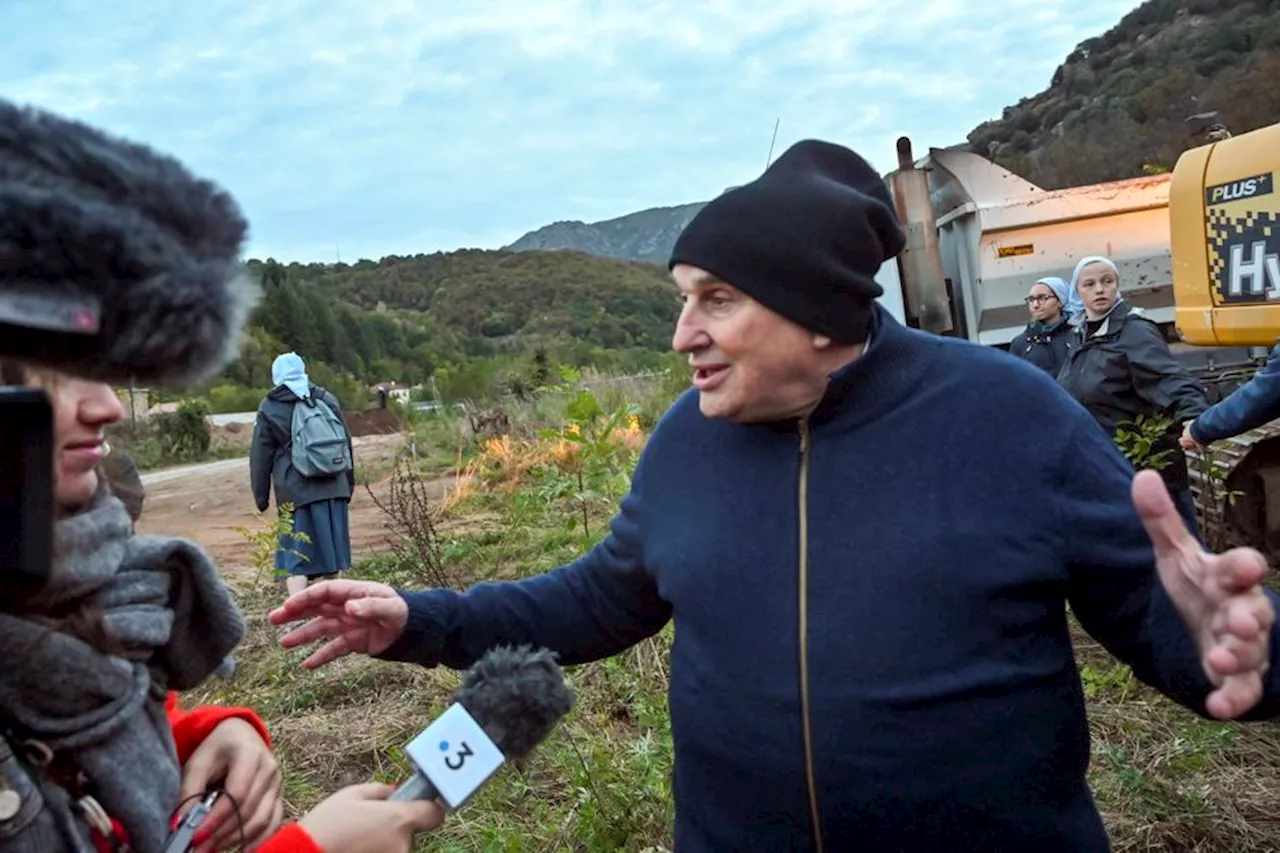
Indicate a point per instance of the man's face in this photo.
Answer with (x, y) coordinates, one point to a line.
(750, 364)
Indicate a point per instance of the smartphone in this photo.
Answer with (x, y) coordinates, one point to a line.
(26, 493)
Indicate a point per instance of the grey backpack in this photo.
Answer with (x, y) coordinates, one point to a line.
(320, 447)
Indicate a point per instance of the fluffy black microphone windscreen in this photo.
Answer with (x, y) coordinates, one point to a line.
(517, 696)
(116, 263)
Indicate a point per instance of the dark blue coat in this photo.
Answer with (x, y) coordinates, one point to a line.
(1253, 404)
(871, 644)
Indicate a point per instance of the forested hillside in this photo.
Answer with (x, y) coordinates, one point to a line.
(1117, 107)
(477, 321)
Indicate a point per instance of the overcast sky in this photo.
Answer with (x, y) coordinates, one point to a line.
(401, 126)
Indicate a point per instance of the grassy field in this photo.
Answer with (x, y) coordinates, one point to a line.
(1164, 779)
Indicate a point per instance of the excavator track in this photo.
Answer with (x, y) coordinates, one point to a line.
(1237, 489)
(1237, 481)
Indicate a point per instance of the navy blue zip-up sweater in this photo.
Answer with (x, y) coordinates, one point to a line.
(1253, 404)
(871, 648)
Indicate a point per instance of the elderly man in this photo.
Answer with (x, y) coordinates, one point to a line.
(867, 551)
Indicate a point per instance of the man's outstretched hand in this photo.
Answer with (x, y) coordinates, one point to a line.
(354, 616)
(1219, 596)
(1187, 441)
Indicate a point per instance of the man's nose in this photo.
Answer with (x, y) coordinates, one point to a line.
(689, 334)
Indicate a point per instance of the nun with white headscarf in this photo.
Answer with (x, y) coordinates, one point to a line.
(1120, 367)
(1047, 337)
(320, 503)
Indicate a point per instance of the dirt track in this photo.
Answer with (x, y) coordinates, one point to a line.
(208, 502)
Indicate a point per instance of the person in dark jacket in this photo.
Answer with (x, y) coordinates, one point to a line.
(1253, 404)
(1120, 368)
(1047, 337)
(320, 504)
(867, 571)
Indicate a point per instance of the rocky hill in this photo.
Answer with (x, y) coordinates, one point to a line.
(1117, 107)
(644, 236)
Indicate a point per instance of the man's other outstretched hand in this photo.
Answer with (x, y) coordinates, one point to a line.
(1219, 596)
(354, 616)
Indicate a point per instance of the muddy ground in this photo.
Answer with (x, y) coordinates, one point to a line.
(208, 503)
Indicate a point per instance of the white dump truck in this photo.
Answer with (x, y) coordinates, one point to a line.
(978, 237)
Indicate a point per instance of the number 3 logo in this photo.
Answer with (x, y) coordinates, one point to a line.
(456, 761)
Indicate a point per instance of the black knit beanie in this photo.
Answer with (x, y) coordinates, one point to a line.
(805, 239)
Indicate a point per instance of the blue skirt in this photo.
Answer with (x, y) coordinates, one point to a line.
(326, 525)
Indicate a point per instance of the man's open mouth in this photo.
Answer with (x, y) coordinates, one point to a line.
(709, 376)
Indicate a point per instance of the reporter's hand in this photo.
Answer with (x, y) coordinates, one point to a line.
(355, 616)
(234, 757)
(360, 819)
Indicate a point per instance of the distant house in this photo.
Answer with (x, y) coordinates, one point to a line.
(394, 391)
(136, 403)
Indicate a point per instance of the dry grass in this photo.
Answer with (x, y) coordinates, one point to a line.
(1168, 780)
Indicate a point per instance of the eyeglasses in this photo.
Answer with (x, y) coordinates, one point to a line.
(1038, 298)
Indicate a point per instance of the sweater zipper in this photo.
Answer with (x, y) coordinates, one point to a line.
(810, 776)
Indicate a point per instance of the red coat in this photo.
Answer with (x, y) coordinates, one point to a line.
(190, 728)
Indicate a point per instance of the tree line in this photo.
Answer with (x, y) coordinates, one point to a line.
(467, 325)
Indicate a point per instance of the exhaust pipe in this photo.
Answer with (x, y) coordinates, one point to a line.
(924, 284)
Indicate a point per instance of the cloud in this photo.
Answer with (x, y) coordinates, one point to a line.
(404, 127)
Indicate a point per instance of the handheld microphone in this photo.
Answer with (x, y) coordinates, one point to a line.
(509, 701)
(116, 263)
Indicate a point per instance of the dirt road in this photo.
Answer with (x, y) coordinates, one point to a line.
(209, 503)
(228, 467)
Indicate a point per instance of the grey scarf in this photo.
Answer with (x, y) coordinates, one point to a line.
(173, 620)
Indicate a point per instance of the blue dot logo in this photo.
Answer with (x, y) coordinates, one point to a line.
(444, 746)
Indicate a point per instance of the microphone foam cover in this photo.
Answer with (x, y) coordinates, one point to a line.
(116, 262)
(517, 696)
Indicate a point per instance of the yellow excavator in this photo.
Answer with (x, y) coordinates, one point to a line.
(1198, 250)
(1224, 224)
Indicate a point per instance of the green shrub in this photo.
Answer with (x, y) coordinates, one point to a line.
(185, 435)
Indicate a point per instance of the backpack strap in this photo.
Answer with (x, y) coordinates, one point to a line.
(323, 395)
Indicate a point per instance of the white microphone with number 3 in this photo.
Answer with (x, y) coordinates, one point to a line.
(508, 702)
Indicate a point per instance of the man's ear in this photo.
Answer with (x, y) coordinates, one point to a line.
(821, 342)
